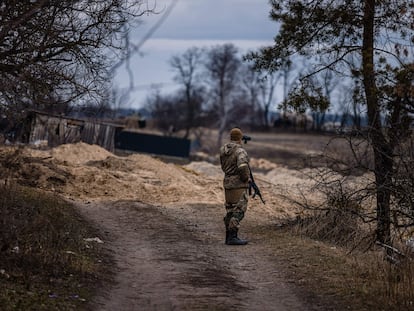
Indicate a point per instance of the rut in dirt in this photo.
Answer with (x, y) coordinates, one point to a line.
(177, 260)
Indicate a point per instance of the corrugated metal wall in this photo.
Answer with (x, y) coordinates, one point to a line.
(154, 144)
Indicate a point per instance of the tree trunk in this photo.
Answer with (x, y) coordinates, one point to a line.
(265, 116)
(382, 151)
(189, 113)
(223, 116)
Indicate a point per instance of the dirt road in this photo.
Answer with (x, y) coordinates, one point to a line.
(163, 224)
(175, 259)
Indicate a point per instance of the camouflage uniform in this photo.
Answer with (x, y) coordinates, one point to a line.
(234, 163)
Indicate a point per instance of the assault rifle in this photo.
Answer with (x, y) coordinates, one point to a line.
(252, 185)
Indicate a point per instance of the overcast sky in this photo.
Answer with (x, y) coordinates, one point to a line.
(201, 23)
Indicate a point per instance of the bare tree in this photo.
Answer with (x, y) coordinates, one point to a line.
(166, 111)
(187, 68)
(260, 87)
(290, 74)
(222, 66)
(250, 83)
(59, 51)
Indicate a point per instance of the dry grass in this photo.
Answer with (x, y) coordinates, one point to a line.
(334, 253)
(45, 263)
(332, 276)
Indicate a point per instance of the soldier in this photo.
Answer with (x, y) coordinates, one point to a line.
(234, 163)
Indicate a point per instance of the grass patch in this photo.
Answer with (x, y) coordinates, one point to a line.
(45, 263)
(332, 276)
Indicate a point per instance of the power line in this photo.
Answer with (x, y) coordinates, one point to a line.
(135, 49)
(152, 30)
(149, 86)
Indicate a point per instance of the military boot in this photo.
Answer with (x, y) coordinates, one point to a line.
(233, 239)
(226, 224)
(227, 236)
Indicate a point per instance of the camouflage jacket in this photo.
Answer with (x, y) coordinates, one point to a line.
(234, 163)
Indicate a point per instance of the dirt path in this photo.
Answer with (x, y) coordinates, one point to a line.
(175, 259)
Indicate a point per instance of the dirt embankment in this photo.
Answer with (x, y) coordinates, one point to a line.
(90, 173)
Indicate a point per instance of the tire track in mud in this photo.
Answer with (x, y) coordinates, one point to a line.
(175, 259)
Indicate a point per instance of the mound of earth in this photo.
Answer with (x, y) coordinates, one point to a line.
(84, 172)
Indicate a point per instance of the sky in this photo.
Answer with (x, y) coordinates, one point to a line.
(201, 23)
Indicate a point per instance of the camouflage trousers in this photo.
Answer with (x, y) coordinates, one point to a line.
(236, 206)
